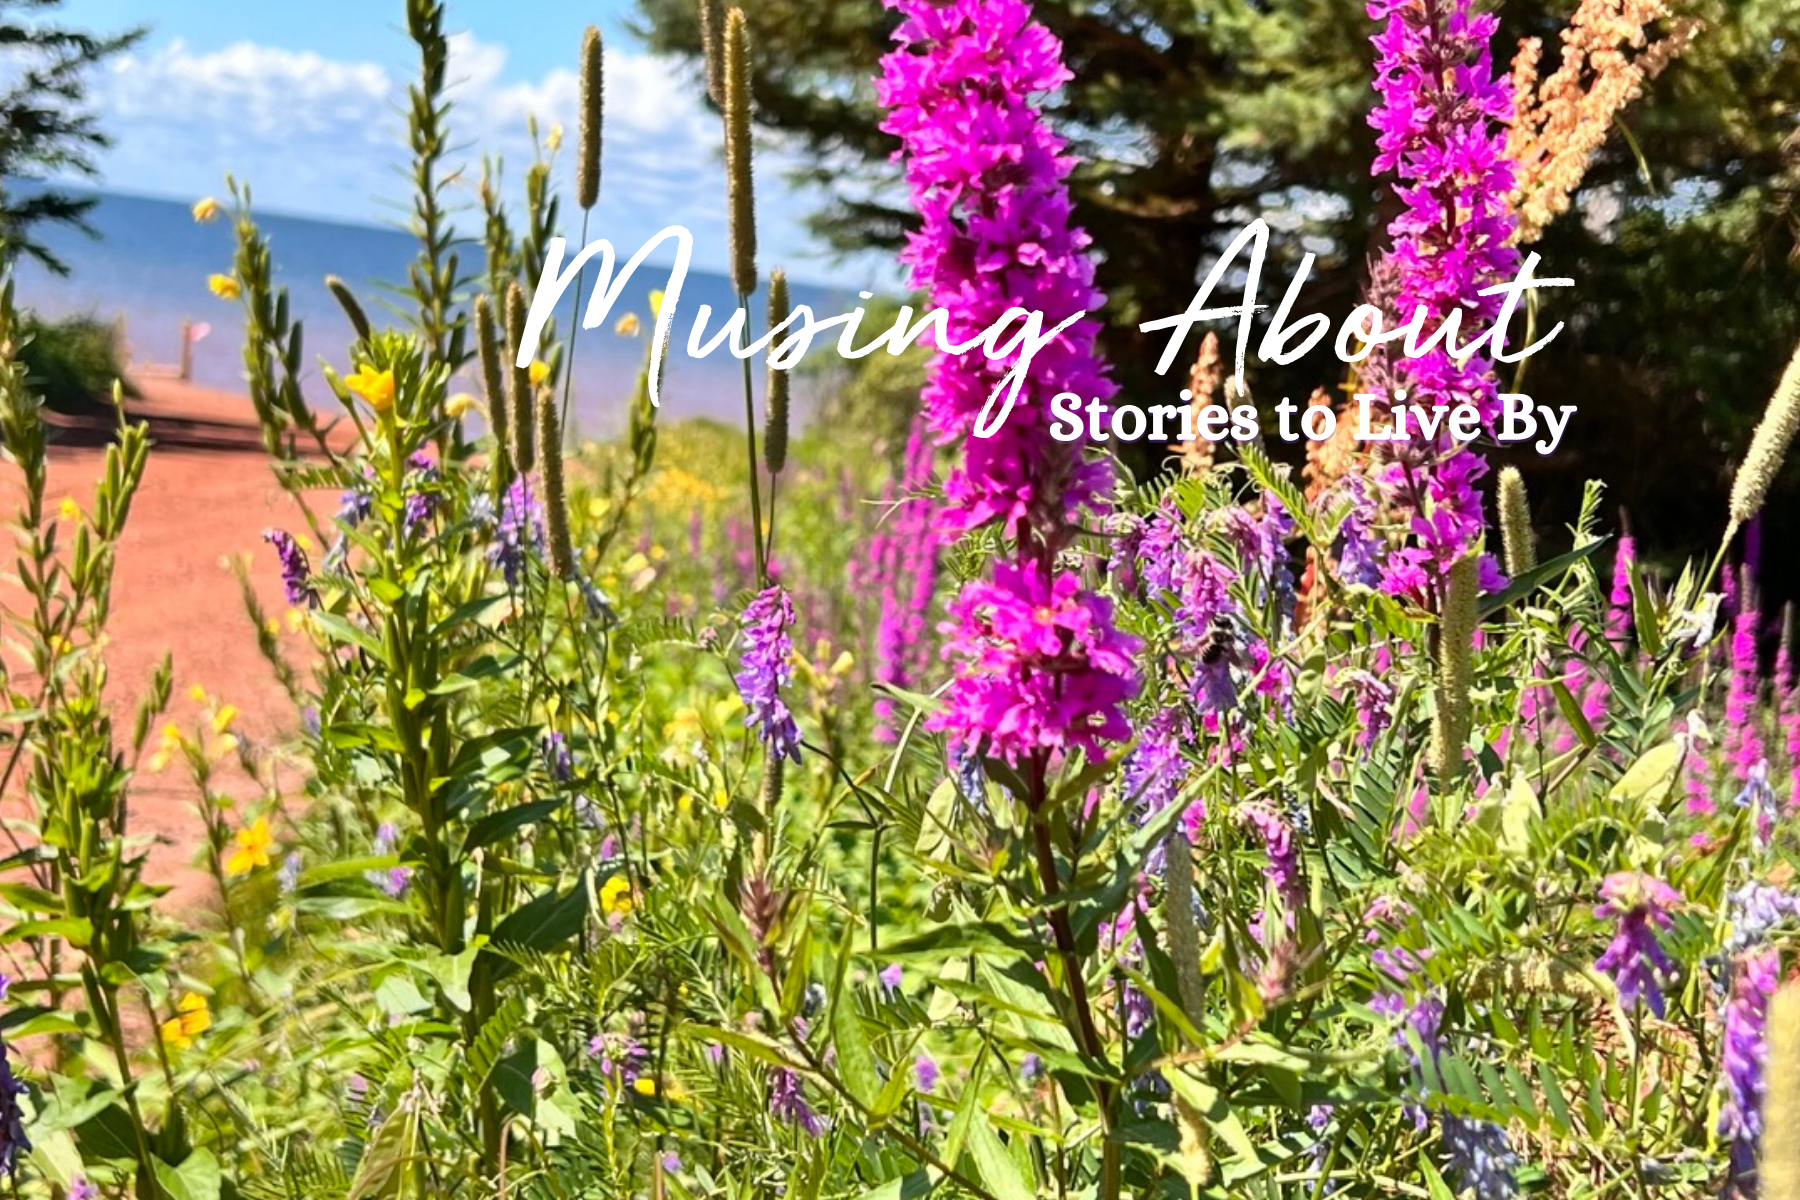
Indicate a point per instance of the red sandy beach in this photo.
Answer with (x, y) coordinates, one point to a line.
(207, 495)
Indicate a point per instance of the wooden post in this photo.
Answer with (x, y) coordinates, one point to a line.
(187, 350)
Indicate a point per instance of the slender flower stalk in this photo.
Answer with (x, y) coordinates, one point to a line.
(556, 499)
(353, 309)
(1456, 675)
(738, 159)
(712, 48)
(1515, 523)
(487, 345)
(776, 392)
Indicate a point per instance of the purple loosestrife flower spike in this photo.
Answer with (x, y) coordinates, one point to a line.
(1634, 959)
(1441, 123)
(296, 572)
(1283, 866)
(988, 178)
(1041, 667)
(1619, 600)
(1743, 743)
(766, 668)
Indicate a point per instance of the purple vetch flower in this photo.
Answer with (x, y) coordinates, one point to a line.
(394, 880)
(1753, 910)
(925, 1073)
(354, 506)
(81, 1189)
(788, 1101)
(1634, 959)
(715, 1054)
(1441, 123)
(1374, 704)
(558, 761)
(890, 977)
(13, 1140)
(421, 499)
(1283, 860)
(288, 878)
(1479, 1157)
(1154, 771)
(1139, 1010)
(1031, 1068)
(519, 532)
(620, 1057)
(296, 572)
(671, 1163)
(1759, 797)
(1744, 1053)
(766, 668)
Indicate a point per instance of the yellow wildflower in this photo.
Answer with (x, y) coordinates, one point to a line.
(224, 286)
(627, 325)
(553, 142)
(167, 748)
(272, 626)
(538, 371)
(615, 897)
(205, 209)
(251, 850)
(377, 387)
(223, 718)
(191, 1020)
(69, 509)
(845, 663)
(197, 694)
(459, 404)
(656, 299)
(296, 619)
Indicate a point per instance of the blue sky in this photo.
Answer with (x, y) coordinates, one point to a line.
(303, 100)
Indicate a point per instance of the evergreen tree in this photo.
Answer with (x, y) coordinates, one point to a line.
(46, 129)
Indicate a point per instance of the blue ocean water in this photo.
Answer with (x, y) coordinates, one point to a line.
(150, 264)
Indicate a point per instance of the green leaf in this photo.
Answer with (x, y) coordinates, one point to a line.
(390, 1167)
(1650, 776)
(339, 630)
(197, 1178)
(907, 1187)
(855, 1061)
(1210, 1103)
(499, 825)
(994, 1165)
(1523, 585)
(545, 922)
(1571, 711)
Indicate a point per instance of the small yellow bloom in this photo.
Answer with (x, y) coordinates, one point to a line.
(69, 509)
(627, 325)
(272, 626)
(538, 371)
(192, 1019)
(205, 209)
(553, 142)
(459, 404)
(376, 387)
(198, 694)
(224, 286)
(223, 718)
(656, 299)
(844, 664)
(296, 619)
(251, 850)
(615, 897)
(167, 747)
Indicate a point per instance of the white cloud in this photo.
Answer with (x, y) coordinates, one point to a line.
(325, 137)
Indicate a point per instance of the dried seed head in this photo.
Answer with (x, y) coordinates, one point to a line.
(1515, 523)
(1769, 447)
(520, 396)
(738, 174)
(340, 291)
(1456, 664)
(487, 345)
(712, 47)
(556, 499)
(775, 432)
(593, 92)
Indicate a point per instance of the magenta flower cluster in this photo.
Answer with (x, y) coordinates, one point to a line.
(1441, 122)
(987, 178)
(1041, 668)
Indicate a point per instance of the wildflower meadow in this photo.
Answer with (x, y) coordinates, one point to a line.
(791, 809)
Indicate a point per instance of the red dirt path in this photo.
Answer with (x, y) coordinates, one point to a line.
(207, 495)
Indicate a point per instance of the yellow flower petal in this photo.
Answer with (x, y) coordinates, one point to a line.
(205, 210)
(627, 325)
(459, 404)
(224, 286)
(376, 387)
(539, 371)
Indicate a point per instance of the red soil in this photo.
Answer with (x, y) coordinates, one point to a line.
(208, 494)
